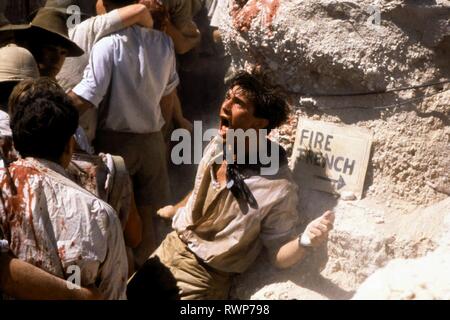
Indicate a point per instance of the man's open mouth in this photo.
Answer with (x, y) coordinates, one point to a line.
(225, 124)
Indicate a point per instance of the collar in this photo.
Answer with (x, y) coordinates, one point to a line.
(50, 165)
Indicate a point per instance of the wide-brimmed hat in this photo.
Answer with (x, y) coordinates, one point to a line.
(53, 23)
(14, 27)
(17, 64)
(5, 24)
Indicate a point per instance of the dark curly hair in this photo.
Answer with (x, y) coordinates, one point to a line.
(267, 100)
(160, 15)
(43, 119)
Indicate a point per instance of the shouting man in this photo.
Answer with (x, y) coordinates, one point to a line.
(235, 209)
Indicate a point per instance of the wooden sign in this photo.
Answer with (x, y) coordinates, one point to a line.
(331, 157)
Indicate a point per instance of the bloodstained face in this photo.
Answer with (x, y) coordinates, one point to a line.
(237, 112)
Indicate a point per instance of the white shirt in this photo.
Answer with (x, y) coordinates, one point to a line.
(140, 67)
(5, 130)
(85, 35)
(218, 12)
(53, 224)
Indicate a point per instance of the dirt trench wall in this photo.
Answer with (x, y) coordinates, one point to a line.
(315, 48)
(320, 53)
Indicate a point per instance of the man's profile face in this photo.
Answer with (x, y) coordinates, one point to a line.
(237, 112)
(51, 59)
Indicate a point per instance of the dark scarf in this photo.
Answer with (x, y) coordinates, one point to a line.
(236, 177)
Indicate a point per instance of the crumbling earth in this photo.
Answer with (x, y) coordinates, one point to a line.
(380, 65)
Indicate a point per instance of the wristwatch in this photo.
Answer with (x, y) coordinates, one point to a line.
(304, 241)
(4, 246)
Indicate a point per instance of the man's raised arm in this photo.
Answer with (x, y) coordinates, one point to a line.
(136, 14)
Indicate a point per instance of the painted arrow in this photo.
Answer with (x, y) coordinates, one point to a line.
(340, 183)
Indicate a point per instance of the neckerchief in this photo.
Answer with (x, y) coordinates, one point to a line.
(236, 180)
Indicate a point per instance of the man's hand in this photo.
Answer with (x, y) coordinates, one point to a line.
(317, 230)
(167, 212)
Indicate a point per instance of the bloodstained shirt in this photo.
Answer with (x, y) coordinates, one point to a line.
(54, 224)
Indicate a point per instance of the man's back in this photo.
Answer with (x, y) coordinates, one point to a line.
(139, 68)
(53, 223)
(85, 35)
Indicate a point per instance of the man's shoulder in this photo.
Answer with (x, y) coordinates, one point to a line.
(151, 39)
(80, 30)
(107, 40)
(53, 177)
(19, 168)
(152, 36)
(90, 25)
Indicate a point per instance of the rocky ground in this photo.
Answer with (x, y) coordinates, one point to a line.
(338, 64)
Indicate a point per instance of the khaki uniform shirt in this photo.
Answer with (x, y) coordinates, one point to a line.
(227, 236)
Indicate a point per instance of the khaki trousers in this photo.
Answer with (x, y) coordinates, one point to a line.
(195, 279)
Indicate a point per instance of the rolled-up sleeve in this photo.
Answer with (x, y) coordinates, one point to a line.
(97, 75)
(279, 226)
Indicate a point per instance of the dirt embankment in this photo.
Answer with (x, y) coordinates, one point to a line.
(384, 67)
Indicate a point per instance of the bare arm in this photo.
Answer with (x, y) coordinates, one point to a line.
(169, 211)
(178, 116)
(167, 104)
(317, 231)
(82, 105)
(136, 14)
(183, 202)
(22, 280)
(289, 254)
(133, 229)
